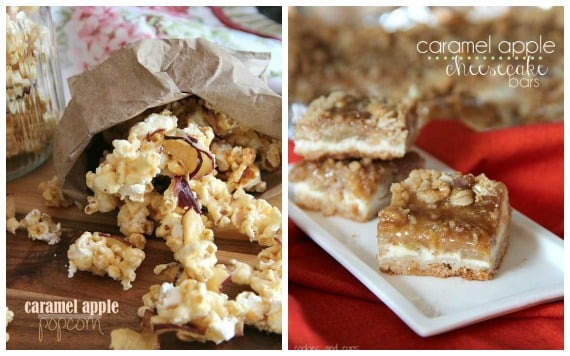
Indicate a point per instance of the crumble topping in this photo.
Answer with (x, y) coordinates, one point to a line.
(339, 115)
(443, 211)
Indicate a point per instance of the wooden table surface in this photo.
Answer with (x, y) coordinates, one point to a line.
(36, 271)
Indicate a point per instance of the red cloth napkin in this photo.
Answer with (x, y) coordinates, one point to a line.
(331, 309)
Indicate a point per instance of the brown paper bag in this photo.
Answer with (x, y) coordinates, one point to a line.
(151, 73)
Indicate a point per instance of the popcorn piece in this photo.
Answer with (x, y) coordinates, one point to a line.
(267, 284)
(241, 272)
(238, 165)
(196, 250)
(137, 240)
(215, 197)
(262, 307)
(255, 218)
(270, 258)
(9, 319)
(41, 227)
(153, 123)
(222, 123)
(193, 311)
(100, 202)
(267, 150)
(264, 316)
(128, 339)
(12, 224)
(133, 219)
(127, 172)
(53, 194)
(170, 227)
(105, 254)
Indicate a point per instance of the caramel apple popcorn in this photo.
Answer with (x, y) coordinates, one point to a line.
(193, 311)
(53, 194)
(238, 164)
(262, 306)
(38, 225)
(228, 131)
(31, 114)
(12, 224)
(9, 318)
(255, 218)
(178, 175)
(41, 227)
(104, 254)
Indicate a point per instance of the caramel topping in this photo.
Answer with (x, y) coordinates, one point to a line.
(348, 107)
(342, 115)
(443, 212)
(359, 177)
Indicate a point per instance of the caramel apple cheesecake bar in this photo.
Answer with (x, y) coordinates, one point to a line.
(342, 126)
(444, 224)
(354, 189)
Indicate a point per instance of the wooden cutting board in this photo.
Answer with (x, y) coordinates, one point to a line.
(36, 271)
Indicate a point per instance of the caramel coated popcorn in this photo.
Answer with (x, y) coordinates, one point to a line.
(30, 116)
(178, 175)
(104, 254)
(193, 311)
(9, 319)
(262, 305)
(12, 224)
(38, 225)
(53, 194)
(41, 227)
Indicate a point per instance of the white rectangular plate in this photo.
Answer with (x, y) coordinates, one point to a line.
(532, 272)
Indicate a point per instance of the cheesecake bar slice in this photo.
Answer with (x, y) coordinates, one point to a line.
(343, 126)
(354, 189)
(444, 224)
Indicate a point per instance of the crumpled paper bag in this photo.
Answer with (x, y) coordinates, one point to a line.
(151, 73)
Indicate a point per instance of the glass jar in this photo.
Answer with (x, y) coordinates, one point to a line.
(34, 91)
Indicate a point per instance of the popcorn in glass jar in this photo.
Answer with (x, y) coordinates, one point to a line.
(34, 91)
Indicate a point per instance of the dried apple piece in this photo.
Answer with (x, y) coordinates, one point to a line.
(186, 197)
(196, 161)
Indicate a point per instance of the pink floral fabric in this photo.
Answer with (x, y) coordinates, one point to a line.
(87, 35)
(101, 30)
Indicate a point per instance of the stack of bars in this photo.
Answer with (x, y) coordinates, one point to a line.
(354, 148)
(358, 165)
